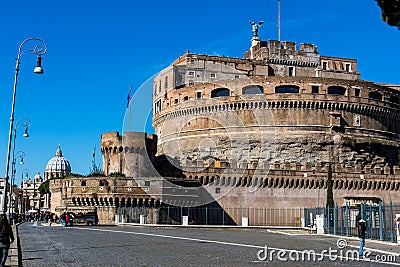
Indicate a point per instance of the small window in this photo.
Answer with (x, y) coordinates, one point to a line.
(166, 81)
(336, 90)
(394, 99)
(219, 92)
(146, 183)
(287, 89)
(237, 76)
(314, 89)
(324, 65)
(198, 95)
(291, 71)
(101, 183)
(348, 67)
(375, 96)
(357, 92)
(217, 190)
(191, 83)
(83, 183)
(192, 61)
(185, 99)
(252, 90)
(176, 101)
(191, 73)
(213, 75)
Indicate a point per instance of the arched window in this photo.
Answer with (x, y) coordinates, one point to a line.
(336, 90)
(287, 89)
(252, 90)
(220, 92)
(375, 96)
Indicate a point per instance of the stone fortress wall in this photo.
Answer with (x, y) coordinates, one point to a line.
(221, 117)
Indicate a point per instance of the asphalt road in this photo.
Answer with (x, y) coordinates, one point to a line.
(141, 246)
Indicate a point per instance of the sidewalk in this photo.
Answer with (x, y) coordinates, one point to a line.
(14, 258)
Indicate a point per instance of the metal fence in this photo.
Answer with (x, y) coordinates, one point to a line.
(380, 220)
(211, 215)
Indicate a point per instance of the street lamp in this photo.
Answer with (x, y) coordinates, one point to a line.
(21, 155)
(38, 50)
(26, 172)
(25, 122)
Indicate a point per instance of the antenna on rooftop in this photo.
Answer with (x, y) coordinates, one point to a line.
(279, 20)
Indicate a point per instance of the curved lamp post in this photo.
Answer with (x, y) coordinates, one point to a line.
(25, 122)
(26, 199)
(38, 50)
(20, 155)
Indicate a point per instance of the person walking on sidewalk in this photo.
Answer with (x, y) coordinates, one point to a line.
(361, 235)
(6, 238)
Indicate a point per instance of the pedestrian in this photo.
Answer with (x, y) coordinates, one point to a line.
(6, 238)
(62, 219)
(71, 219)
(361, 235)
(66, 219)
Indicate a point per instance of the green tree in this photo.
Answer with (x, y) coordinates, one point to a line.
(329, 188)
(44, 187)
(390, 11)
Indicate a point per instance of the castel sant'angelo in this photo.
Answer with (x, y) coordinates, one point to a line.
(262, 131)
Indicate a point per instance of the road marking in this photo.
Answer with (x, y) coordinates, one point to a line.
(232, 244)
(286, 233)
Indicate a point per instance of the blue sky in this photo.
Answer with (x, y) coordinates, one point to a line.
(97, 49)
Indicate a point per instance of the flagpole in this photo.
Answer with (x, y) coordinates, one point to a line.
(129, 109)
(279, 20)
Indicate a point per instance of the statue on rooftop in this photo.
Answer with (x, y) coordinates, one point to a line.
(255, 27)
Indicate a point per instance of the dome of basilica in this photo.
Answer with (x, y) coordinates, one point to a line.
(57, 166)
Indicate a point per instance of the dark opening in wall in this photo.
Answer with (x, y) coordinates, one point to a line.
(336, 90)
(394, 99)
(220, 92)
(252, 90)
(375, 96)
(287, 89)
(357, 92)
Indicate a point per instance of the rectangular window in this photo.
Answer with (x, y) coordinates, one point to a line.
(192, 61)
(146, 183)
(237, 76)
(83, 183)
(348, 67)
(314, 89)
(357, 92)
(166, 81)
(324, 65)
(213, 75)
(191, 73)
(291, 71)
(198, 95)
